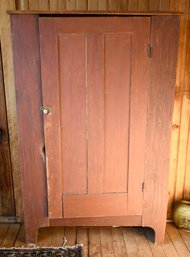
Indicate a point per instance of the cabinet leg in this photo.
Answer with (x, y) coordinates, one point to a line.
(159, 234)
(30, 234)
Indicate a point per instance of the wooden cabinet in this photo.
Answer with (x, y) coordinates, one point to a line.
(95, 98)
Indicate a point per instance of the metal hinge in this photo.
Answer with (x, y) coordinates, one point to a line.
(143, 187)
(149, 50)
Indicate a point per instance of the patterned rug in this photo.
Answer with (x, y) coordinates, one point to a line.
(75, 251)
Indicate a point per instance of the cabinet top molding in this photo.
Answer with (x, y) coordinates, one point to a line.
(96, 13)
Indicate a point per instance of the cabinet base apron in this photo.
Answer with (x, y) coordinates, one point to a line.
(115, 221)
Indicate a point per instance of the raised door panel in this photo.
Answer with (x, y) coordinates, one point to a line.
(89, 82)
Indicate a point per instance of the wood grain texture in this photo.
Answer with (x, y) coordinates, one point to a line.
(183, 144)
(138, 116)
(52, 127)
(81, 4)
(29, 121)
(7, 207)
(134, 220)
(72, 100)
(70, 4)
(133, 5)
(164, 5)
(117, 87)
(92, 4)
(44, 5)
(33, 4)
(22, 5)
(154, 5)
(160, 109)
(7, 61)
(112, 5)
(95, 106)
(77, 206)
(53, 5)
(61, 4)
(102, 5)
(143, 5)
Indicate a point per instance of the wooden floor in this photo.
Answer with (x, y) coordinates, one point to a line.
(104, 242)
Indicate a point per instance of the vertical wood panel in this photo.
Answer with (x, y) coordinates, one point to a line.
(164, 5)
(33, 5)
(22, 5)
(133, 5)
(81, 5)
(70, 4)
(117, 101)
(122, 5)
(174, 151)
(102, 5)
(138, 114)
(61, 4)
(53, 5)
(25, 40)
(95, 115)
(6, 183)
(72, 112)
(7, 59)
(143, 5)
(174, 5)
(92, 4)
(186, 190)
(183, 141)
(44, 5)
(160, 108)
(51, 98)
(112, 5)
(153, 5)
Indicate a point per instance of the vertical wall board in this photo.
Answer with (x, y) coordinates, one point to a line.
(183, 136)
(112, 5)
(22, 5)
(7, 58)
(82, 5)
(122, 5)
(153, 5)
(164, 5)
(53, 5)
(102, 5)
(186, 190)
(33, 5)
(44, 5)
(7, 207)
(174, 5)
(143, 5)
(70, 5)
(174, 151)
(133, 5)
(92, 4)
(61, 4)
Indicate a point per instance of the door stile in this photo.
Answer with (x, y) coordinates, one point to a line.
(138, 112)
(50, 89)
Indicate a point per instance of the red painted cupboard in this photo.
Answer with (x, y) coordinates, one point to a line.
(95, 99)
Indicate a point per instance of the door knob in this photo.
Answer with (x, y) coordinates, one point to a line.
(45, 110)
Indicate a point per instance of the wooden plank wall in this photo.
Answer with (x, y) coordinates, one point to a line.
(179, 186)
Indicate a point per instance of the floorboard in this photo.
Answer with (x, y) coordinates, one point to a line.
(104, 241)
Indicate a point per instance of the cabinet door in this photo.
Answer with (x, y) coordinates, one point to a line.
(94, 84)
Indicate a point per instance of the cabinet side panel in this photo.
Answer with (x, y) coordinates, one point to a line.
(28, 94)
(164, 42)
